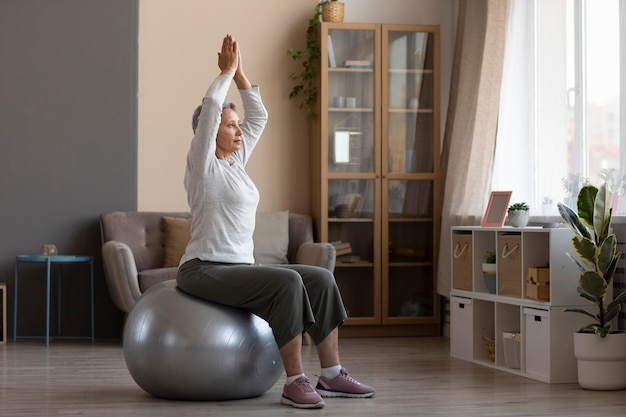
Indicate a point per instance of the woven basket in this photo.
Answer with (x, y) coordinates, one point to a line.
(332, 11)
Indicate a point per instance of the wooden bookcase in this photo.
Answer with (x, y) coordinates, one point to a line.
(375, 172)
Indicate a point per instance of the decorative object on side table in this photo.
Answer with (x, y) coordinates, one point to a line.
(329, 11)
(48, 249)
(489, 271)
(601, 352)
(518, 214)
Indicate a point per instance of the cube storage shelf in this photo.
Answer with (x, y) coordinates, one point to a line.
(546, 330)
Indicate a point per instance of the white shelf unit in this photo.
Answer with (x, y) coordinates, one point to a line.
(546, 348)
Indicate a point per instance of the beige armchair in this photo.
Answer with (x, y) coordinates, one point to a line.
(133, 251)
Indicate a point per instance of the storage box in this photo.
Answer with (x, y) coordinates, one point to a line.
(538, 284)
(510, 264)
(462, 266)
(511, 342)
(461, 327)
(537, 342)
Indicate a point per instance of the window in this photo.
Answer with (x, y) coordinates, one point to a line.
(560, 122)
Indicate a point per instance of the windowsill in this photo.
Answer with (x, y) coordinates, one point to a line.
(540, 220)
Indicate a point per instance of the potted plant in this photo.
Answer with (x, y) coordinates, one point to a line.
(601, 351)
(518, 214)
(489, 271)
(306, 79)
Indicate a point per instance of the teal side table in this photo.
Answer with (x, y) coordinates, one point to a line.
(49, 261)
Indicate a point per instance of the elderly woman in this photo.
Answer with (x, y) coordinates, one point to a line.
(218, 264)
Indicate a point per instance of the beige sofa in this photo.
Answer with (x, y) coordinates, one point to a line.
(134, 248)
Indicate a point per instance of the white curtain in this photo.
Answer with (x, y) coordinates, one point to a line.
(516, 121)
(470, 135)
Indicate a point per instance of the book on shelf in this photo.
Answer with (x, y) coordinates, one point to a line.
(332, 63)
(340, 244)
(342, 248)
(357, 63)
(345, 251)
(349, 259)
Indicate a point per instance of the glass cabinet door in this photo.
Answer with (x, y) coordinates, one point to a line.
(408, 262)
(410, 101)
(409, 181)
(351, 230)
(351, 100)
(350, 121)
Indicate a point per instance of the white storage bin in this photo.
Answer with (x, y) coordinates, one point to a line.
(537, 342)
(511, 342)
(461, 327)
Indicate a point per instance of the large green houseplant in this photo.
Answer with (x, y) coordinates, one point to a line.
(595, 246)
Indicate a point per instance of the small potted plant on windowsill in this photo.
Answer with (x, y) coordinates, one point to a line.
(489, 271)
(518, 214)
(601, 352)
(306, 78)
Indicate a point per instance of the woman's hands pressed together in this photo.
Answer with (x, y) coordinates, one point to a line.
(228, 57)
(230, 62)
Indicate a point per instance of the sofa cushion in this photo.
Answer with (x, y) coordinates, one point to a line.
(176, 235)
(271, 237)
(150, 277)
(142, 231)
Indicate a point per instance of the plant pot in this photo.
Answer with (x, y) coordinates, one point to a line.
(489, 275)
(332, 11)
(601, 361)
(518, 218)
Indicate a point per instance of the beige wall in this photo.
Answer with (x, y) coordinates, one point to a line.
(178, 44)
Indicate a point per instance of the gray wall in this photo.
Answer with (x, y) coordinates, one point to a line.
(68, 146)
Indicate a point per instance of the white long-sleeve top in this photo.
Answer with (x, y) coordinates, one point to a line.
(222, 197)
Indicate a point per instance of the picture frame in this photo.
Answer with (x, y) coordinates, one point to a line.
(496, 209)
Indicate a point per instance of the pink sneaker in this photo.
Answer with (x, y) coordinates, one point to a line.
(343, 385)
(300, 394)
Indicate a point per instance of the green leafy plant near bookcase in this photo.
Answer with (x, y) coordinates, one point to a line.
(305, 79)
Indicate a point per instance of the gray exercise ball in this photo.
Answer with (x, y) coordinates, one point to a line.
(177, 346)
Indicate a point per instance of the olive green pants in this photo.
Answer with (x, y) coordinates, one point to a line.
(291, 298)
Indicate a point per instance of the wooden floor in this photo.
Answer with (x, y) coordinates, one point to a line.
(413, 377)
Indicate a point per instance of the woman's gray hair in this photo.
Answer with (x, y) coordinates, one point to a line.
(196, 114)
